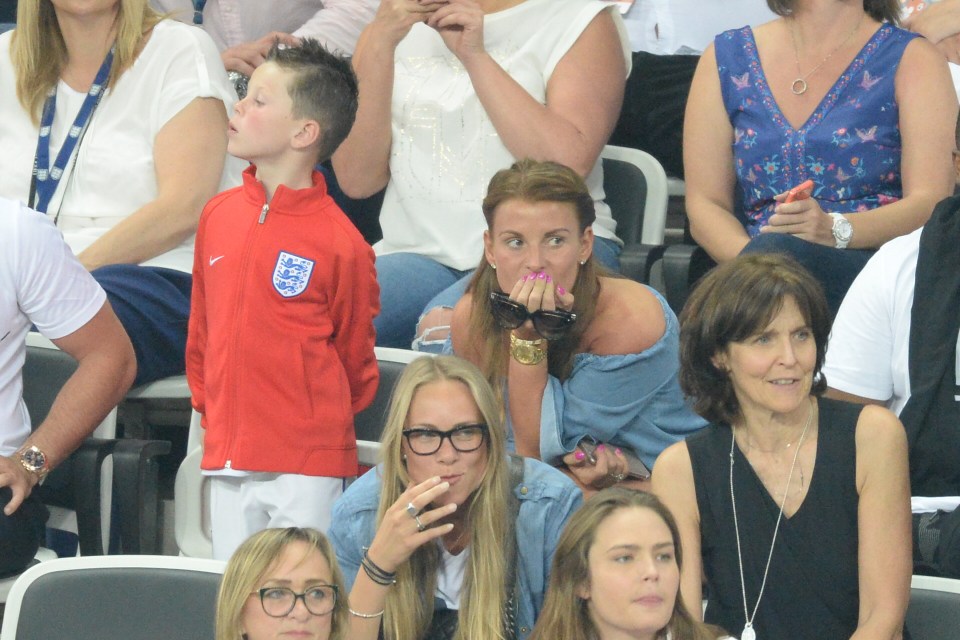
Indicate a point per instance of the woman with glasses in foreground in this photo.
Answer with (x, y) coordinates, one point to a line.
(450, 537)
(589, 359)
(282, 583)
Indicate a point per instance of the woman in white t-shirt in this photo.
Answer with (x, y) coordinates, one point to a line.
(452, 91)
(125, 172)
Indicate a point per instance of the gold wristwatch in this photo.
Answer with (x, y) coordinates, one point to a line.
(34, 461)
(528, 351)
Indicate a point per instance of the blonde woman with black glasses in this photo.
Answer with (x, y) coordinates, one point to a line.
(450, 537)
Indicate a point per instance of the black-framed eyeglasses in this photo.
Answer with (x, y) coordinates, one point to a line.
(510, 314)
(465, 438)
(277, 602)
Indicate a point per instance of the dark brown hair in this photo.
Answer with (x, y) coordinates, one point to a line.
(733, 302)
(879, 10)
(324, 89)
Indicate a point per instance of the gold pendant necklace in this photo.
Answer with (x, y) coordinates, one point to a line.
(799, 86)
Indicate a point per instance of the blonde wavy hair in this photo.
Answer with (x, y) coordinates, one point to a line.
(409, 605)
(250, 563)
(39, 52)
(565, 614)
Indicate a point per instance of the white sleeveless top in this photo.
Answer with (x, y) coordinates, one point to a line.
(445, 149)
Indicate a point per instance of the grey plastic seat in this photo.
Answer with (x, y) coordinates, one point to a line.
(934, 611)
(635, 188)
(115, 597)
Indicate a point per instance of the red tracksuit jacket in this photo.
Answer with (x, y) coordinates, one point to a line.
(280, 344)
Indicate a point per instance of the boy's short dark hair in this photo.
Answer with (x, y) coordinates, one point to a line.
(324, 88)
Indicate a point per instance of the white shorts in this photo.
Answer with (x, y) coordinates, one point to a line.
(243, 505)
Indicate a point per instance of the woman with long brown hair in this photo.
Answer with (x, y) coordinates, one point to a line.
(616, 574)
(586, 360)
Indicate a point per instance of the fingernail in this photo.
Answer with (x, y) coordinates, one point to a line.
(561, 290)
(435, 479)
(617, 451)
(601, 447)
(541, 275)
(579, 455)
(529, 276)
(549, 279)
(452, 506)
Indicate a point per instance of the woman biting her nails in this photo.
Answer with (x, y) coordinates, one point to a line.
(450, 537)
(587, 361)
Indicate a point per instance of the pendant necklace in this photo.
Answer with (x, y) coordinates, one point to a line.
(799, 86)
(748, 632)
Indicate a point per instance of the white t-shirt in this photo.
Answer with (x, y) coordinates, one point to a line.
(868, 353)
(444, 146)
(115, 173)
(688, 26)
(41, 284)
(335, 23)
(450, 576)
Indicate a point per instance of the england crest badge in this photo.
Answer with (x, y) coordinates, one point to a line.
(292, 274)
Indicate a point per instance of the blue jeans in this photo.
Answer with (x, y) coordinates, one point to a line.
(411, 284)
(153, 305)
(834, 269)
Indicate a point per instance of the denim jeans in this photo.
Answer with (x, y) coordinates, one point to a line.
(834, 269)
(411, 284)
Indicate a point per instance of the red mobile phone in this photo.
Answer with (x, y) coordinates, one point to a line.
(800, 192)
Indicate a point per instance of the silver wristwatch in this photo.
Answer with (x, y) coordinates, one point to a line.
(842, 231)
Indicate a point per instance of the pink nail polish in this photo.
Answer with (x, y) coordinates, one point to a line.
(561, 290)
(549, 279)
(601, 447)
(617, 451)
(541, 275)
(579, 455)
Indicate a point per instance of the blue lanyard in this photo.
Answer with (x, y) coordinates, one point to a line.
(198, 11)
(46, 178)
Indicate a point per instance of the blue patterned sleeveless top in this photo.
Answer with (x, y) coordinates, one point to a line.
(850, 146)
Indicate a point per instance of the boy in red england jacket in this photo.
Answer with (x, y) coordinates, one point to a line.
(280, 344)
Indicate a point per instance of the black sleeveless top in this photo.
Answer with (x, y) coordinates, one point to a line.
(812, 588)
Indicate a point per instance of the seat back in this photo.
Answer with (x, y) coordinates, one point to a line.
(191, 499)
(635, 188)
(369, 422)
(130, 597)
(76, 490)
(934, 611)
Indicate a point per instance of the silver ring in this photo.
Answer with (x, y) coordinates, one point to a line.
(412, 510)
(619, 477)
(420, 526)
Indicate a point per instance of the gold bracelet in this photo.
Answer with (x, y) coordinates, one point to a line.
(528, 351)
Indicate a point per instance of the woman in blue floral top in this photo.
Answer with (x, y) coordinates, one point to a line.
(834, 93)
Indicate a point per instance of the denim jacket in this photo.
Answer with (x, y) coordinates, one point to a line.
(547, 499)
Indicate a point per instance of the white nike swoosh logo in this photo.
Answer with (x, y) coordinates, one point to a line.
(213, 260)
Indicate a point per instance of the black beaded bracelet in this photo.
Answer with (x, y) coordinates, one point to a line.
(376, 573)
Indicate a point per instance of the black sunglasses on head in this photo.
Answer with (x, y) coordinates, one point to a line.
(510, 314)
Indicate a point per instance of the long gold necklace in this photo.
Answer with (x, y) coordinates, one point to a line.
(799, 86)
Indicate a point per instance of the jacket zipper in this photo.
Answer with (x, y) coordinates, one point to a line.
(238, 321)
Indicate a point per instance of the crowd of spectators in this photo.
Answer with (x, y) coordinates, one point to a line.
(815, 144)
